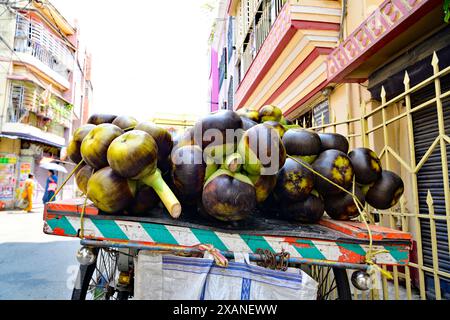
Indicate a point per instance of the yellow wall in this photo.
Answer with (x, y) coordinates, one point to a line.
(10, 146)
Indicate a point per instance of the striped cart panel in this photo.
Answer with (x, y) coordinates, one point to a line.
(150, 233)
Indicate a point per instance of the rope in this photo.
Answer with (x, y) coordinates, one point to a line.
(219, 259)
(371, 254)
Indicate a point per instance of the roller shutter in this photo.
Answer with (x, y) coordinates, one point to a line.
(430, 177)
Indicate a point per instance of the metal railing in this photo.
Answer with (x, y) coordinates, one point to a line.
(33, 38)
(391, 129)
(253, 26)
(25, 99)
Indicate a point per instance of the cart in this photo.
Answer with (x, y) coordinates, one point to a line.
(325, 250)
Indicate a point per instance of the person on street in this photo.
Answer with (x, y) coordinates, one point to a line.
(28, 192)
(50, 187)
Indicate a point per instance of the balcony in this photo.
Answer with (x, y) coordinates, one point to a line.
(254, 31)
(281, 49)
(25, 109)
(37, 46)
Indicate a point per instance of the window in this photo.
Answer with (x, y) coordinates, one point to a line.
(230, 38)
(313, 117)
(223, 67)
(321, 111)
(16, 110)
(231, 94)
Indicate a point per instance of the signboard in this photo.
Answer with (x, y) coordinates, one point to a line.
(389, 15)
(24, 171)
(7, 177)
(322, 109)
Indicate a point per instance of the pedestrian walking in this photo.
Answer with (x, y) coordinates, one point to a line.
(28, 190)
(50, 187)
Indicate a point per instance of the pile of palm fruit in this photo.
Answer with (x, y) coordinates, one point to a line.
(229, 166)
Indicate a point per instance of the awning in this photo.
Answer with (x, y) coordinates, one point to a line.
(25, 136)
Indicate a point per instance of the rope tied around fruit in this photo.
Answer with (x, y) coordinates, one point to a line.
(371, 254)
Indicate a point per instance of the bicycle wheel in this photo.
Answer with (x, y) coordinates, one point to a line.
(333, 283)
(99, 280)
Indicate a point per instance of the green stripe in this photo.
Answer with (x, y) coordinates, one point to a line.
(356, 248)
(257, 242)
(209, 237)
(400, 255)
(64, 224)
(308, 250)
(159, 233)
(109, 229)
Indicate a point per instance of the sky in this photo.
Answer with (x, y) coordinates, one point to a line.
(148, 56)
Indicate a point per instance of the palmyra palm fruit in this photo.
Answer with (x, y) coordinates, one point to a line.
(97, 119)
(333, 141)
(366, 164)
(125, 122)
(73, 149)
(343, 206)
(270, 113)
(386, 191)
(295, 181)
(303, 144)
(310, 210)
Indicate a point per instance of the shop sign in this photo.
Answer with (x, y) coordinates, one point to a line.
(382, 21)
(7, 177)
(321, 111)
(8, 160)
(24, 171)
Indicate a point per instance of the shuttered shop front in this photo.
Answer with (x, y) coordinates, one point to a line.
(430, 178)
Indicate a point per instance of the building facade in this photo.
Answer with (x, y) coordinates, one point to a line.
(376, 71)
(45, 89)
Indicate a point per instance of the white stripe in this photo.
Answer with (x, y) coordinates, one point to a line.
(279, 246)
(382, 258)
(316, 10)
(183, 236)
(234, 242)
(286, 64)
(89, 228)
(329, 250)
(47, 228)
(310, 79)
(323, 38)
(134, 231)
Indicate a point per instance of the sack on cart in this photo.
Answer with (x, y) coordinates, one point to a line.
(168, 277)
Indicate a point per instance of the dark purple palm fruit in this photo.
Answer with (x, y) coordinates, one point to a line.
(218, 134)
(295, 181)
(335, 166)
(342, 206)
(308, 211)
(386, 191)
(334, 141)
(188, 173)
(98, 118)
(262, 150)
(302, 144)
(229, 197)
(366, 164)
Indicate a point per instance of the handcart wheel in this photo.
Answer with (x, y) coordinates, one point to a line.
(333, 283)
(98, 281)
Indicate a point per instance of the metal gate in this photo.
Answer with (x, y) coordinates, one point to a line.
(410, 133)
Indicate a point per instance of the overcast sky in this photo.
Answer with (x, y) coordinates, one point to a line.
(148, 56)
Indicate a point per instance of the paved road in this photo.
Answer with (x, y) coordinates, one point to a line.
(34, 265)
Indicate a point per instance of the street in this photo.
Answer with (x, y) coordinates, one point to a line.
(34, 265)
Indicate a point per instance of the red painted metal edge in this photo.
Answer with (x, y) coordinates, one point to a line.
(315, 53)
(316, 25)
(267, 65)
(427, 7)
(359, 230)
(307, 97)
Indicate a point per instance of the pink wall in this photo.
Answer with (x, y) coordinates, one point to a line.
(214, 81)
